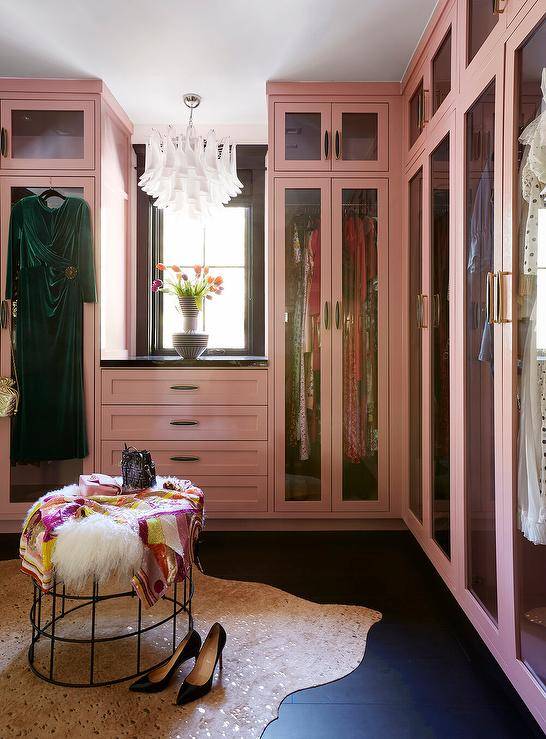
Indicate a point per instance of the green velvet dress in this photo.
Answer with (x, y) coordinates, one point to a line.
(50, 273)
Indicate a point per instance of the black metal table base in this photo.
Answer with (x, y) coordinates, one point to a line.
(59, 609)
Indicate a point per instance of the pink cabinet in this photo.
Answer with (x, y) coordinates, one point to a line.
(430, 224)
(524, 366)
(47, 134)
(359, 329)
(331, 329)
(432, 83)
(320, 137)
(360, 135)
(302, 318)
(303, 136)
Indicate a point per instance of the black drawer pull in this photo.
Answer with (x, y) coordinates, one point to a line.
(184, 387)
(185, 459)
(184, 423)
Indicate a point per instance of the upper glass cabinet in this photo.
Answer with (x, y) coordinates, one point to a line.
(483, 19)
(47, 134)
(360, 136)
(416, 114)
(302, 136)
(441, 73)
(331, 136)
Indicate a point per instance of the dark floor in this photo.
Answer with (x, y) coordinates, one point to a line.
(425, 673)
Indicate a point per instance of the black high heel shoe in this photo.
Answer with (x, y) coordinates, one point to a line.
(158, 679)
(199, 682)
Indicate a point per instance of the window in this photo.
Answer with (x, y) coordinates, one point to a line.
(231, 244)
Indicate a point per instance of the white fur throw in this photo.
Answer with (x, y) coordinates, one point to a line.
(95, 547)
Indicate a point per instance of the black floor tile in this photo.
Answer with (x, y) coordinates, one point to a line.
(377, 721)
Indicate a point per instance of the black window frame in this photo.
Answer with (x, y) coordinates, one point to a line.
(149, 312)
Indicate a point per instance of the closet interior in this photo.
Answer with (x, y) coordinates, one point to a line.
(403, 384)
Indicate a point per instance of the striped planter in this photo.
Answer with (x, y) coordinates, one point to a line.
(190, 343)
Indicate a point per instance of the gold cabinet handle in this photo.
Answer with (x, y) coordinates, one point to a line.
(185, 459)
(489, 308)
(184, 387)
(338, 145)
(421, 323)
(337, 313)
(326, 145)
(424, 311)
(184, 423)
(500, 298)
(3, 142)
(326, 315)
(424, 120)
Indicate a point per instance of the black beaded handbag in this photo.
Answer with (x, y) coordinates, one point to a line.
(137, 469)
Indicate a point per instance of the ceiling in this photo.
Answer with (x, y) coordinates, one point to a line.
(149, 52)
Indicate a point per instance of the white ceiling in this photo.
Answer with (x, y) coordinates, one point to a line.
(149, 52)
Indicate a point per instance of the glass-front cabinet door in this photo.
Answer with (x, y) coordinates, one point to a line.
(440, 163)
(481, 349)
(22, 480)
(417, 322)
(47, 134)
(525, 394)
(484, 20)
(360, 136)
(303, 139)
(303, 330)
(359, 344)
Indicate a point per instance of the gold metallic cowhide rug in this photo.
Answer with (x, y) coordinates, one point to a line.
(276, 644)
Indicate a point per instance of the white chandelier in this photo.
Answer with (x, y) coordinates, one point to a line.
(189, 174)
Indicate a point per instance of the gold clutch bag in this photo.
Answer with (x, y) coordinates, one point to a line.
(9, 387)
(9, 397)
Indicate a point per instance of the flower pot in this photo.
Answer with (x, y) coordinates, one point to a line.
(190, 344)
(190, 313)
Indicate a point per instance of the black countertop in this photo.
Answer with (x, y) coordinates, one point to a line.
(169, 360)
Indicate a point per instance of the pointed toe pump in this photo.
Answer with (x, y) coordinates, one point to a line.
(199, 682)
(160, 677)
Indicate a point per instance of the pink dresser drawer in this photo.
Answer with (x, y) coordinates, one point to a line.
(165, 423)
(233, 494)
(185, 386)
(188, 459)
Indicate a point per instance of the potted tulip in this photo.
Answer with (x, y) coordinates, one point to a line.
(191, 291)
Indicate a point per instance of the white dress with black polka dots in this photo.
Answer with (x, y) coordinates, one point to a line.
(532, 435)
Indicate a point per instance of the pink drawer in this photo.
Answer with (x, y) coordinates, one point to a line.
(233, 494)
(185, 386)
(186, 459)
(176, 423)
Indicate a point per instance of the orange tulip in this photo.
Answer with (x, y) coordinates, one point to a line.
(197, 269)
(218, 280)
(175, 268)
(209, 279)
(160, 266)
(206, 270)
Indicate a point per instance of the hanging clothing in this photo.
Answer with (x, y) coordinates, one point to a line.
(532, 431)
(303, 285)
(50, 273)
(359, 276)
(480, 257)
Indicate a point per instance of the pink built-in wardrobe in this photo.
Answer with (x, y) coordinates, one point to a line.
(406, 342)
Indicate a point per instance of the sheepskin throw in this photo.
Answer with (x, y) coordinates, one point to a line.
(147, 537)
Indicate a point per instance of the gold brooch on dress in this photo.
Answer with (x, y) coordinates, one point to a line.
(71, 272)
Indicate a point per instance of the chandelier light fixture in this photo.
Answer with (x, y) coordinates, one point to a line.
(189, 174)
